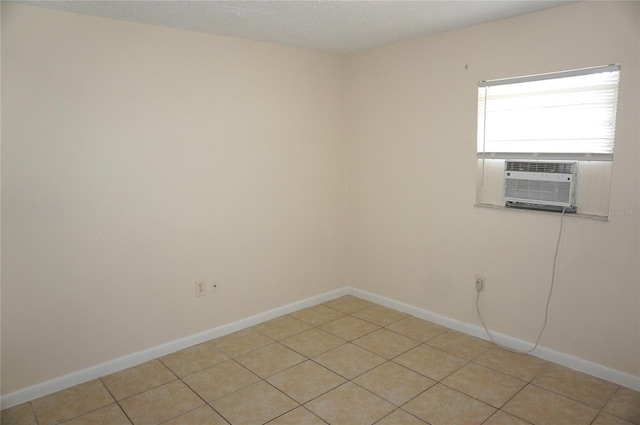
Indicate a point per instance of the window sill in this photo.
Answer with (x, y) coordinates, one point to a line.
(522, 210)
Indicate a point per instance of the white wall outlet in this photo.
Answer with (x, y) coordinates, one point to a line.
(201, 288)
(480, 282)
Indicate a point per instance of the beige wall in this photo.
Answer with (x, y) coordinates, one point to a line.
(137, 160)
(414, 234)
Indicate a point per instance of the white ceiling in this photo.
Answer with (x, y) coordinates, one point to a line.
(341, 27)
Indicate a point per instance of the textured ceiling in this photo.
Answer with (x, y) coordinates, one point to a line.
(332, 26)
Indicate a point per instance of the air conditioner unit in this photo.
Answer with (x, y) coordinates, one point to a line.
(543, 185)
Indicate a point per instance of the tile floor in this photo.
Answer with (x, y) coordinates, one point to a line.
(348, 362)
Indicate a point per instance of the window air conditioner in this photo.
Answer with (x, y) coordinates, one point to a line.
(543, 185)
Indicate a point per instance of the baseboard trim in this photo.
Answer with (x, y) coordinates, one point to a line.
(135, 359)
(125, 362)
(576, 363)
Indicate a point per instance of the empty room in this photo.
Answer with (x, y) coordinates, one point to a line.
(306, 212)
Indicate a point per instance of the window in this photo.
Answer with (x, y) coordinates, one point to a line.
(564, 116)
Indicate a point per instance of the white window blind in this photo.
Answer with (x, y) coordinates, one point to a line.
(567, 115)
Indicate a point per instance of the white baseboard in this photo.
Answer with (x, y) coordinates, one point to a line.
(576, 363)
(125, 362)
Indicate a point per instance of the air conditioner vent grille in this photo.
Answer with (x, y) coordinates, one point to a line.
(538, 190)
(540, 167)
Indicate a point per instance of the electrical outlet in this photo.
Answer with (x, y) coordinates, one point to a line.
(201, 288)
(214, 286)
(480, 281)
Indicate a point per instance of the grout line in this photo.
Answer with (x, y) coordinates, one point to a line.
(566, 396)
(33, 412)
(124, 413)
(601, 410)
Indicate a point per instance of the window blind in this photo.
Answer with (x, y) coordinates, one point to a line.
(567, 115)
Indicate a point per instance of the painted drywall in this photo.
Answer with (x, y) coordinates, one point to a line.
(139, 159)
(0, 205)
(414, 234)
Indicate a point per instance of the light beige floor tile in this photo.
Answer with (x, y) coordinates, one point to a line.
(349, 327)
(299, 416)
(312, 342)
(138, 379)
(70, 403)
(306, 381)
(379, 315)
(606, 419)
(502, 418)
(193, 359)
(21, 414)
(430, 362)
(542, 407)
(394, 383)
(349, 360)
(394, 360)
(400, 417)
(578, 386)
(440, 405)
(386, 343)
(350, 405)
(418, 329)
(459, 344)
(161, 404)
(270, 359)
(255, 404)
(520, 366)
(348, 304)
(220, 380)
(625, 404)
(204, 415)
(109, 415)
(317, 315)
(282, 327)
(489, 386)
(241, 342)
